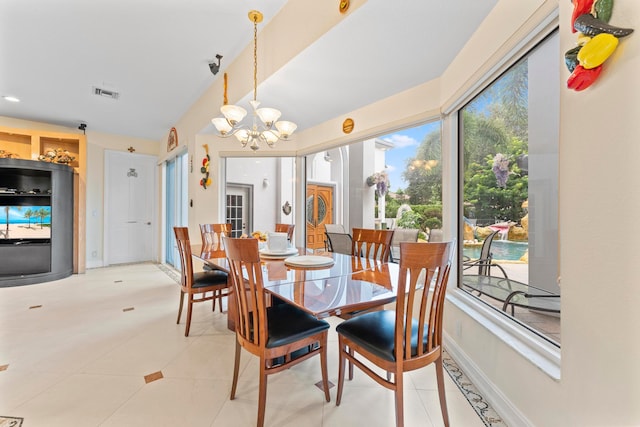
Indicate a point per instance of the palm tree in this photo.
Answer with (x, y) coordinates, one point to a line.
(28, 214)
(6, 213)
(42, 213)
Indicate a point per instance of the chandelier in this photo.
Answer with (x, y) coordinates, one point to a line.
(264, 119)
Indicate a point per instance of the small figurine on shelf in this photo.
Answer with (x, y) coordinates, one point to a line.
(57, 156)
(7, 155)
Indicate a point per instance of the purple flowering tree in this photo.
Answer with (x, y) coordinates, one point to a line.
(501, 169)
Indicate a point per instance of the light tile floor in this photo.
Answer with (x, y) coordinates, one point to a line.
(76, 352)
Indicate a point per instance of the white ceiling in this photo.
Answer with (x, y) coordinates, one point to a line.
(155, 53)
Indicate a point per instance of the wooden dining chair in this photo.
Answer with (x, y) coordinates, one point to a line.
(381, 338)
(211, 234)
(202, 286)
(370, 243)
(280, 335)
(286, 228)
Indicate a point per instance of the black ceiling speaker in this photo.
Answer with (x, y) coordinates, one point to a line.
(215, 67)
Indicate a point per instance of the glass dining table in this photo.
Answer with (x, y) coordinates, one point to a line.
(346, 285)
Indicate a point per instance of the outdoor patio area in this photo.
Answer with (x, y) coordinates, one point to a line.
(548, 324)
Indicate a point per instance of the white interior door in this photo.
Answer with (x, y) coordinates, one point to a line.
(238, 208)
(130, 188)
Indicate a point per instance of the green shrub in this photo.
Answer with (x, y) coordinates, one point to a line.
(432, 223)
(410, 219)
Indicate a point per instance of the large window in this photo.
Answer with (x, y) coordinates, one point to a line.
(393, 181)
(509, 191)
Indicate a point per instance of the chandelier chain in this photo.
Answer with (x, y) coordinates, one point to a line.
(255, 57)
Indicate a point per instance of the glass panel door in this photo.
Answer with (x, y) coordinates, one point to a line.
(176, 208)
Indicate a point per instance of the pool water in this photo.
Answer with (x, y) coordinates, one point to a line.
(501, 249)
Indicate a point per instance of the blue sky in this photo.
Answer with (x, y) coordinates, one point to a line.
(406, 142)
(17, 215)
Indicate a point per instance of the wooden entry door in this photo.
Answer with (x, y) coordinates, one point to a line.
(319, 206)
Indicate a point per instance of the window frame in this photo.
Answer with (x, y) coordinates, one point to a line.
(539, 350)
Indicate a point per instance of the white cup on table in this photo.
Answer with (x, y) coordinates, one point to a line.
(277, 242)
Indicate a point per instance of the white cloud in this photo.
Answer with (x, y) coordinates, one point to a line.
(401, 141)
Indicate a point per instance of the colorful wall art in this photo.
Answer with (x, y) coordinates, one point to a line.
(597, 40)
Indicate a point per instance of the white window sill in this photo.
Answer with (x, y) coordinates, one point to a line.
(532, 347)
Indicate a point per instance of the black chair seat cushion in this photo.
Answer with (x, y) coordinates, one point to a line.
(375, 332)
(209, 278)
(287, 324)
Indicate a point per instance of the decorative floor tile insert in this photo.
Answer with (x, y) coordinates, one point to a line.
(175, 275)
(487, 414)
(10, 421)
(153, 377)
(319, 385)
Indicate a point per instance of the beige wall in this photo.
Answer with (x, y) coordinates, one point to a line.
(599, 153)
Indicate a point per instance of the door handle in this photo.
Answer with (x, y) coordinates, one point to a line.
(149, 223)
(131, 222)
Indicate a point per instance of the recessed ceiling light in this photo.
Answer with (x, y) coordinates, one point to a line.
(11, 98)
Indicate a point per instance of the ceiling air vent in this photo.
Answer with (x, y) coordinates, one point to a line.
(106, 93)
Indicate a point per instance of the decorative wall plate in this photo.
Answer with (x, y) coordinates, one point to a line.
(172, 141)
(347, 125)
(343, 6)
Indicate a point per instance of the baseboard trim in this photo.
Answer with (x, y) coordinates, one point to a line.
(95, 263)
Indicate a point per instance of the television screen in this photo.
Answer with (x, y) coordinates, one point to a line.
(25, 222)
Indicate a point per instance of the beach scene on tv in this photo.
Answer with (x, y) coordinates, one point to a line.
(25, 222)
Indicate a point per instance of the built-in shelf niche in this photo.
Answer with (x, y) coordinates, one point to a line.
(70, 145)
(17, 144)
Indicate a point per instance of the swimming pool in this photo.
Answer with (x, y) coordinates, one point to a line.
(501, 249)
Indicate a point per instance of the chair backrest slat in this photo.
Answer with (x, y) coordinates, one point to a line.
(246, 271)
(184, 249)
(371, 243)
(422, 266)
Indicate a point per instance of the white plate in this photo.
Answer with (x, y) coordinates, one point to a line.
(272, 254)
(309, 261)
